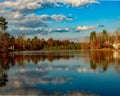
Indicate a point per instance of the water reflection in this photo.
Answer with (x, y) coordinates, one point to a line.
(100, 59)
(37, 71)
(37, 57)
(104, 59)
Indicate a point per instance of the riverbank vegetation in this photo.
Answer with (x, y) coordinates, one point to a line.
(105, 39)
(96, 40)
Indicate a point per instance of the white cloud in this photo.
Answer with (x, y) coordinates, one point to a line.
(34, 24)
(35, 4)
(11, 15)
(60, 17)
(20, 4)
(60, 30)
(35, 21)
(21, 14)
(76, 2)
(38, 30)
(55, 17)
(84, 28)
(17, 15)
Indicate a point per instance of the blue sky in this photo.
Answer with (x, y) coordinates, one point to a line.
(60, 19)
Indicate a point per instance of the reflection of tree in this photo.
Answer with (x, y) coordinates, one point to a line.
(93, 64)
(28, 58)
(105, 65)
(35, 57)
(104, 59)
(19, 59)
(50, 57)
(116, 56)
(3, 79)
(100, 59)
(5, 62)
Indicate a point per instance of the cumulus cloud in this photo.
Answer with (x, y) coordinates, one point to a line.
(22, 18)
(29, 31)
(84, 28)
(35, 4)
(55, 17)
(12, 15)
(17, 15)
(77, 2)
(38, 30)
(33, 20)
(58, 30)
(26, 4)
(60, 17)
(32, 23)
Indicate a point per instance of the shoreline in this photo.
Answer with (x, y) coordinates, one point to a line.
(103, 49)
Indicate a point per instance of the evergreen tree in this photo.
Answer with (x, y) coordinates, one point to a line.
(3, 24)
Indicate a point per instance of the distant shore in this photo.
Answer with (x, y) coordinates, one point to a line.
(105, 49)
(102, 49)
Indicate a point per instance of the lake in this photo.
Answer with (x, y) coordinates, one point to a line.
(68, 73)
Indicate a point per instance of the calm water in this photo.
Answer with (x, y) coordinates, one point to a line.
(68, 73)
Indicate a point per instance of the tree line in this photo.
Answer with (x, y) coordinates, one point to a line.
(11, 43)
(42, 44)
(104, 39)
(96, 40)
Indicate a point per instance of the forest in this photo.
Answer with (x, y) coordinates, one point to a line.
(96, 40)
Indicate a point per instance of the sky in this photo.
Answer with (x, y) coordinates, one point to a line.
(60, 19)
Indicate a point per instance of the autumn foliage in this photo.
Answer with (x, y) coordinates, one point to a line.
(96, 40)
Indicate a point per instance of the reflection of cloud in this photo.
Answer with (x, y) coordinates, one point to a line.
(84, 70)
(80, 94)
(32, 78)
(37, 74)
(25, 91)
(32, 91)
(19, 81)
(27, 78)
